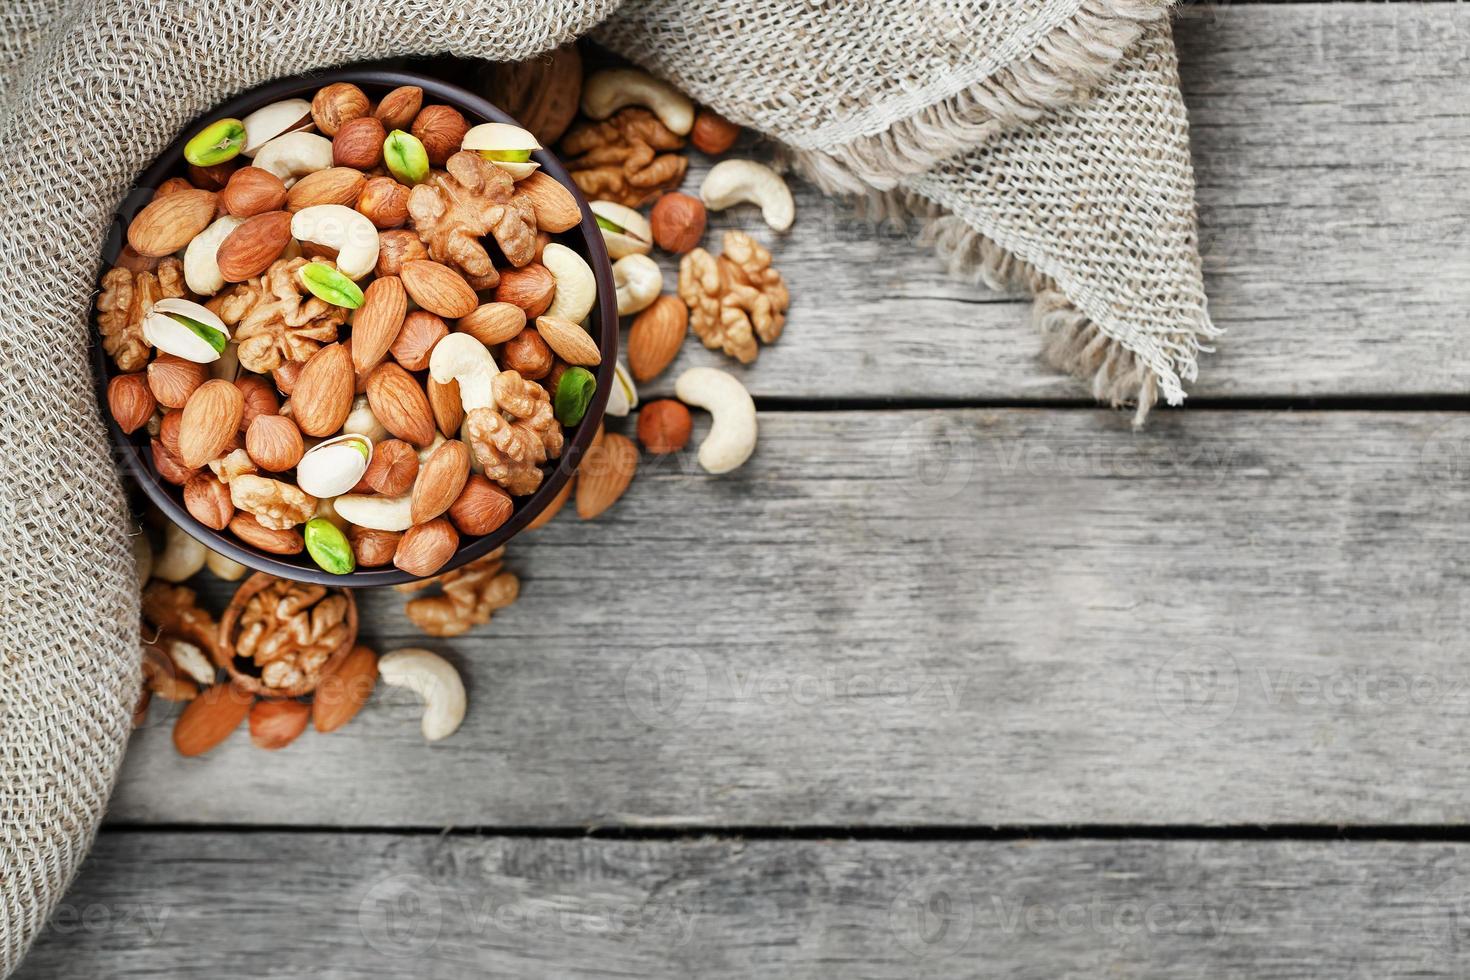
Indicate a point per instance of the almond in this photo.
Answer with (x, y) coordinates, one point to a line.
(531, 287)
(376, 323)
(251, 248)
(208, 500)
(553, 508)
(171, 222)
(400, 106)
(275, 724)
(494, 323)
(556, 208)
(571, 343)
(394, 468)
(438, 289)
(481, 507)
(335, 185)
(446, 406)
(210, 718)
(252, 532)
(252, 191)
(421, 331)
(343, 692)
(211, 419)
(656, 336)
(322, 398)
(373, 548)
(132, 403)
(605, 473)
(426, 547)
(440, 480)
(400, 404)
(274, 443)
(359, 143)
(173, 379)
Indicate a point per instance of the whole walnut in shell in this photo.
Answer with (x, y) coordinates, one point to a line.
(471, 198)
(126, 298)
(289, 631)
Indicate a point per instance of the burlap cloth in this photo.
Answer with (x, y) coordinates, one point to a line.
(1043, 140)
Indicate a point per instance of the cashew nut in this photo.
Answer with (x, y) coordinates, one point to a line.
(142, 558)
(623, 397)
(294, 155)
(639, 282)
(181, 556)
(732, 182)
(378, 513)
(635, 236)
(268, 122)
(731, 437)
(611, 89)
(576, 287)
(337, 226)
(201, 267)
(224, 568)
(433, 679)
(361, 421)
(460, 357)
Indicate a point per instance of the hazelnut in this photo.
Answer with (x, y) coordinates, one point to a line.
(678, 222)
(527, 354)
(481, 506)
(130, 401)
(215, 177)
(384, 201)
(168, 465)
(531, 287)
(421, 330)
(664, 426)
(394, 467)
(260, 399)
(713, 133)
(285, 376)
(274, 443)
(252, 191)
(336, 104)
(398, 109)
(173, 379)
(168, 431)
(373, 548)
(359, 143)
(208, 501)
(397, 247)
(441, 129)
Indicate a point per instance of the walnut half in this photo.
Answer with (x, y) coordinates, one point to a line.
(126, 298)
(734, 299)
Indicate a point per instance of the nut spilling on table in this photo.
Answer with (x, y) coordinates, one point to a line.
(735, 298)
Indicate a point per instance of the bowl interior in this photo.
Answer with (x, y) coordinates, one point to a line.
(585, 239)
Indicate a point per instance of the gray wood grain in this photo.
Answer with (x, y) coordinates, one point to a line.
(947, 617)
(349, 906)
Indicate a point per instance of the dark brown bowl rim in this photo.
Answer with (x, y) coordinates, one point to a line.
(132, 448)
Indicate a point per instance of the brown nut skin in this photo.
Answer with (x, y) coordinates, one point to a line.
(170, 468)
(482, 506)
(274, 443)
(664, 426)
(276, 724)
(373, 548)
(447, 408)
(215, 177)
(531, 287)
(441, 129)
(248, 529)
(173, 379)
(260, 399)
(168, 430)
(712, 132)
(394, 467)
(397, 247)
(416, 339)
(285, 376)
(384, 201)
(252, 191)
(426, 547)
(359, 143)
(208, 500)
(336, 104)
(528, 354)
(400, 106)
(493, 323)
(130, 401)
(678, 222)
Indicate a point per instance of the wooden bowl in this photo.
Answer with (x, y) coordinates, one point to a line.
(242, 670)
(585, 239)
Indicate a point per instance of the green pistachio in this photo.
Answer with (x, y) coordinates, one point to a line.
(406, 157)
(216, 143)
(204, 331)
(573, 394)
(506, 156)
(329, 547)
(611, 226)
(329, 284)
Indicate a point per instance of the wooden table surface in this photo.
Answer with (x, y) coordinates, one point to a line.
(959, 676)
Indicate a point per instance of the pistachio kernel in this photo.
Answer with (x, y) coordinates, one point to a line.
(329, 547)
(405, 157)
(608, 225)
(573, 394)
(505, 156)
(329, 284)
(216, 143)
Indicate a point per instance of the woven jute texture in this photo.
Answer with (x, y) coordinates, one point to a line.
(1040, 141)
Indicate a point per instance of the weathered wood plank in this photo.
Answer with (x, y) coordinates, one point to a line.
(349, 906)
(977, 617)
(1334, 206)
